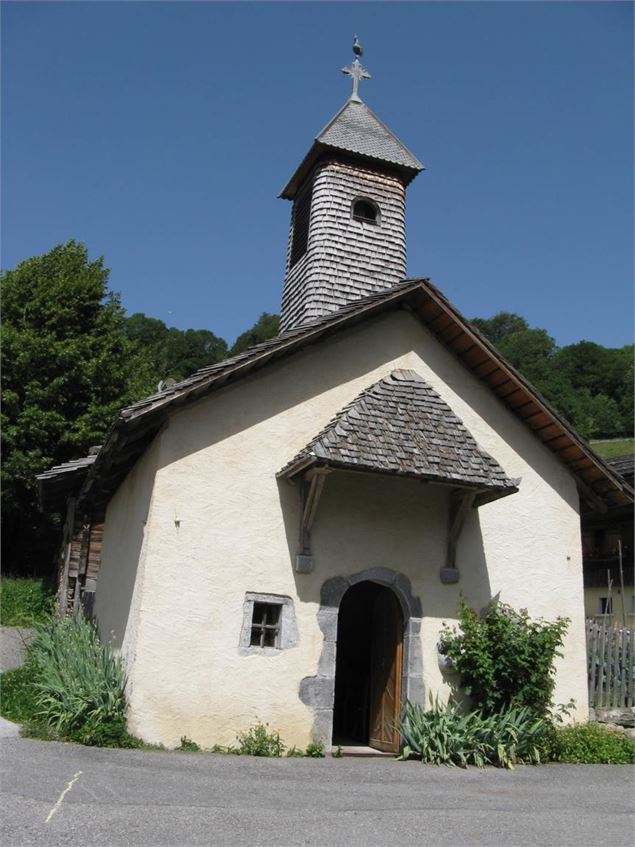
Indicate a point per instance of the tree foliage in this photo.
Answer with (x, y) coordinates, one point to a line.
(591, 385)
(67, 367)
(267, 326)
(173, 353)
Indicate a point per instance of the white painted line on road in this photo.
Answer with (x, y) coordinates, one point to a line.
(62, 795)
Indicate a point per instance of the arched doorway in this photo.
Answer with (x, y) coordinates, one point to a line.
(368, 667)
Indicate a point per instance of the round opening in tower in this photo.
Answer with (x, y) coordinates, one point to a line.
(366, 211)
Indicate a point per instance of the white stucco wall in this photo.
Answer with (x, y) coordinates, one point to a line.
(218, 524)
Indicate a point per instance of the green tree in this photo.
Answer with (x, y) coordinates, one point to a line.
(496, 329)
(267, 326)
(67, 368)
(172, 352)
(590, 385)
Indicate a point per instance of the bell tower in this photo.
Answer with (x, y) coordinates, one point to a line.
(348, 236)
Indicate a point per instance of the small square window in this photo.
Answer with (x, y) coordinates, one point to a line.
(265, 625)
(605, 606)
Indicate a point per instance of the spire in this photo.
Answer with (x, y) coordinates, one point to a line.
(356, 70)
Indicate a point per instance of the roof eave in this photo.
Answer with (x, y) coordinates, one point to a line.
(489, 492)
(319, 149)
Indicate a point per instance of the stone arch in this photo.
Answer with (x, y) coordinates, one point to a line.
(317, 692)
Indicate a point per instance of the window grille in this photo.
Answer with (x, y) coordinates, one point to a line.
(265, 625)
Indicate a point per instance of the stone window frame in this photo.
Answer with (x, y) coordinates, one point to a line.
(369, 200)
(288, 627)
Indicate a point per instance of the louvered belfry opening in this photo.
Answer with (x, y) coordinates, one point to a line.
(300, 226)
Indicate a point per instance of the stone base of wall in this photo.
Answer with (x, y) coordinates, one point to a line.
(622, 720)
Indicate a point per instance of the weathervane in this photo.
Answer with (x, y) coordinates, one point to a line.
(356, 70)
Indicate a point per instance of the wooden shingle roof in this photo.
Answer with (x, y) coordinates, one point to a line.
(401, 426)
(60, 481)
(357, 132)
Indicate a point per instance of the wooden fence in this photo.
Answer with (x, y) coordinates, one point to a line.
(611, 665)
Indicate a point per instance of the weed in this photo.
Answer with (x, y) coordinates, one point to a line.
(337, 753)
(591, 744)
(188, 746)
(258, 741)
(315, 750)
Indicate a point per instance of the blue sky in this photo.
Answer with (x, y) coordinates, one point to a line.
(160, 134)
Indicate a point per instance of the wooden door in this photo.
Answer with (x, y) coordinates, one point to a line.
(385, 672)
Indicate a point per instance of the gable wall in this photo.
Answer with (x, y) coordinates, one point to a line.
(221, 525)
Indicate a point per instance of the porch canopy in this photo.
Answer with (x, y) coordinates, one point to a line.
(402, 427)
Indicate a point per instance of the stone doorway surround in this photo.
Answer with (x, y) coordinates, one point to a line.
(318, 692)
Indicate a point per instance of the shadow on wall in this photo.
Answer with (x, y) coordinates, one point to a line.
(125, 545)
(392, 531)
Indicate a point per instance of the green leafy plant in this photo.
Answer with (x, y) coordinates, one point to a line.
(18, 701)
(337, 753)
(24, 602)
(258, 741)
(504, 658)
(187, 745)
(294, 753)
(592, 745)
(315, 750)
(78, 681)
(443, 736)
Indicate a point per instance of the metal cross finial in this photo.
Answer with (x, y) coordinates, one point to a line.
(356, 70)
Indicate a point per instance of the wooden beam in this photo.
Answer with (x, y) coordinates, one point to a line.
(591, 498)
(310, 491)
(460, 504)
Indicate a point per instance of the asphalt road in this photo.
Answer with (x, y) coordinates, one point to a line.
(62, 794)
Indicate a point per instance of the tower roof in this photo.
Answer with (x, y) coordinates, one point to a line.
(358, 132)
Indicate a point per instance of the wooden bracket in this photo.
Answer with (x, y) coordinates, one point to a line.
(311, 491)
(595, 502)
(461, 502)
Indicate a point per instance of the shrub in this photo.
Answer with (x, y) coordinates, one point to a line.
(315, 751)
(442, 736)
(590, 744)
(258, 741)
(504, 658)
(78, 682)
(24, 602)
(187, 745)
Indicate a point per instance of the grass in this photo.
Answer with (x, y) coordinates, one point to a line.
(612, 449)
(24, 602)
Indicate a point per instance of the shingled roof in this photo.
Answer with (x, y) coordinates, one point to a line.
(400, 425)
(623, 465)
(57, 483)
(135, 426)
(356, 131)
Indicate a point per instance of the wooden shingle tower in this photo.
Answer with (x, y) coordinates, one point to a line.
(347, 236)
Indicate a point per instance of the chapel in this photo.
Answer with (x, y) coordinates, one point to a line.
(282, 536)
